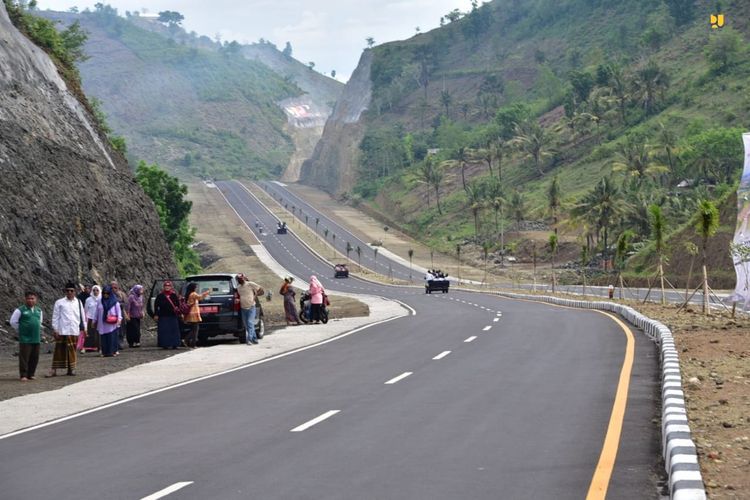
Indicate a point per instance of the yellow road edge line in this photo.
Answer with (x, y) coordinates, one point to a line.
(606, 464)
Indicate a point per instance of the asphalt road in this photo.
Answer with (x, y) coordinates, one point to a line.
(383, 265)
(473, 397)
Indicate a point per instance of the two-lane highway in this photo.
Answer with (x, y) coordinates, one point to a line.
(473, 397)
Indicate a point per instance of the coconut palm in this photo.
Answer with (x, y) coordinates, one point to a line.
(436, 178)
(658, 235)
(553, 251)
(553, 200)
(708, 223)
(602, 206)
(518, 208)
(667, 140)
(460, 157)
(534, 142)
(634, 160)
(359, 256)
(650, 83)
(475, 198)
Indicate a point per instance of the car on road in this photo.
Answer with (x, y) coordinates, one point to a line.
(220, 310)
(340, 271)
(281, 228)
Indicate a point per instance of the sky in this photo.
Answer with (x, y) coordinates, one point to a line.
(331, 33)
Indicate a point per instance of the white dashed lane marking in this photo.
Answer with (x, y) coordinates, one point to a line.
(471, 339)
(486, 328)
(315, 421)
(399, 378)
(496, 319)
(442, 355)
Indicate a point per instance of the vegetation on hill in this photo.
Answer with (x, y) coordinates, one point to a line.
(210, 112)
(621, 104)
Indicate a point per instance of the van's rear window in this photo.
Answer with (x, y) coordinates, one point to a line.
(214, 287)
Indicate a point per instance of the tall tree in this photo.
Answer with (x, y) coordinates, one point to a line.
(475, 198)
(553, 252)
(518, 208)
(658, 236)
(650, 83)
(602, 206)
(554, 201)
(535, 142)
(706, 226)
(633, 158)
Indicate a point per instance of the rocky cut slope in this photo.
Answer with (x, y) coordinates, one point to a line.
(70, 208)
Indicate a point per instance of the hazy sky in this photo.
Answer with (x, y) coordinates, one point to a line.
(329, 32)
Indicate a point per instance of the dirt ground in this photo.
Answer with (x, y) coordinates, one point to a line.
(224, 244)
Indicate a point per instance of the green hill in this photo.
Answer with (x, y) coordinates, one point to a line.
(506, 97)
(211, 112)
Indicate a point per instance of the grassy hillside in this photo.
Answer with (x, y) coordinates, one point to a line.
(211, 112)
(512, 94)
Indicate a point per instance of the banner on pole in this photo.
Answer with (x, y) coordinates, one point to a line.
(741, 242)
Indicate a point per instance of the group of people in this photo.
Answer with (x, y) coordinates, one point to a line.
(435, 275)
(91, 320)
(317, 298)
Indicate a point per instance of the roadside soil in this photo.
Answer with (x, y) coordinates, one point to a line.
(224, 243)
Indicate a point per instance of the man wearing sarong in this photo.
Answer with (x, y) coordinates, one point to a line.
(68, 322)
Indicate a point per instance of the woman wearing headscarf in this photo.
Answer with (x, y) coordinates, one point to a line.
(316, 299)
(92, 303)
(108, 321)
(165, 315)
(134, 311)
(290, 308)
(193, 318)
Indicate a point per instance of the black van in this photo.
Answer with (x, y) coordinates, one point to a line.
(220, 311)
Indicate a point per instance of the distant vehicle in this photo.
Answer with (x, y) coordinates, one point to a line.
(220, 311)
(340, 271)
(281, 228)
(439, 285)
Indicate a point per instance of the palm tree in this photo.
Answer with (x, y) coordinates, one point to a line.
(518, 208)
(534, 141)
(498, 151)
(349, 248)
(553, 252)
(621, 254)
(633, 158)
(553, 200)
(325, 232)
(424, 174)
(317, 221)
(657, 234)
(458, 261)
(602, 206)
(619, 88)
(411, 255)
(485, 254)
(649, 84)
(436, 178)
(475, 197)
(667, 140)
(359, 256)
(692, 250)
(708, 223)
(460, 157)
(446, 99)
(584, 265)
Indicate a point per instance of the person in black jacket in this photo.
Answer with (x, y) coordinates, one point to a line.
(166, 317)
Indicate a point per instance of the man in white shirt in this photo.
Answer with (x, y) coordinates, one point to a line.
(68, 322)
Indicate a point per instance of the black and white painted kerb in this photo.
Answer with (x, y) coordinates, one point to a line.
(678, 448)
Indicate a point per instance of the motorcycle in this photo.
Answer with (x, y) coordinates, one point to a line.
(305, 313)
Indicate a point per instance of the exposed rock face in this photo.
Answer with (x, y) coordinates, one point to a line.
(333, 164)
(70, 208)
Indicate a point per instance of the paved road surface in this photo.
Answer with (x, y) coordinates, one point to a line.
(473, 397)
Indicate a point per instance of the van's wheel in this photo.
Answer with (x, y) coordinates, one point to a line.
(324, 316)
(260, 331)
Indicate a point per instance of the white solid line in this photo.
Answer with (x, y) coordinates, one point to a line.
(487, 328)
(314, 421)
(442, 355)
(496, 320)
(168, 490)
(400, 377)
(471, 339)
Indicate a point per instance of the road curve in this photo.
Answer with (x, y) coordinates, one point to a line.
(473, 397)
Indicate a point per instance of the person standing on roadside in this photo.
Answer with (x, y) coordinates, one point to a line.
(134, 311)
(290, 307)
(122, 299)
(248, 291)
(193, 318)
(85, 293)
(316, 299)
(92, 342)
(108, 322)
(27, 321)
(165, 315)
(68, 322)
